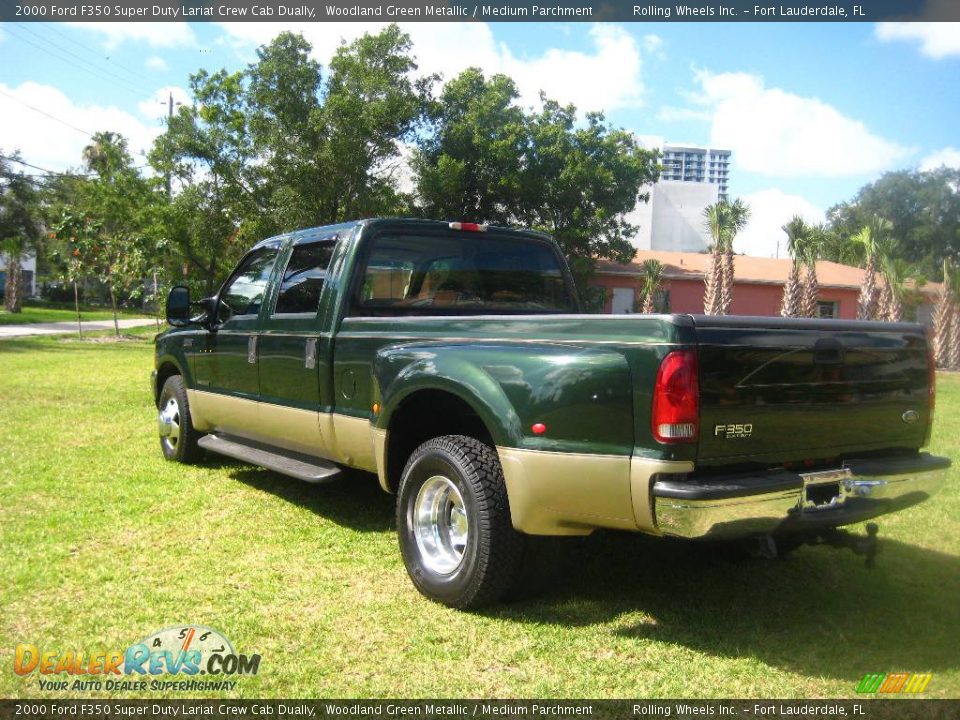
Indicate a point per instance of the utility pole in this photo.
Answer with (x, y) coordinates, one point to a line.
(170, 105)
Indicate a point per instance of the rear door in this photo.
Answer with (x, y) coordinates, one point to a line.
(776, 390)
(290, 352)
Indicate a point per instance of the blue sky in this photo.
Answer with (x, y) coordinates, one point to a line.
(811, 111)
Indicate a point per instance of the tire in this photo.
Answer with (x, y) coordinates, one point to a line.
(178, 438)
(453, 520)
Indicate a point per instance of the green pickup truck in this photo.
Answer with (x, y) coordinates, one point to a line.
(451, 359)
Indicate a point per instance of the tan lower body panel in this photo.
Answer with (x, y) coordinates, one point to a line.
(573, 494)
(340, 438)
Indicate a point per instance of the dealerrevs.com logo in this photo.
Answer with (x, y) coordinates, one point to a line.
(183, 652)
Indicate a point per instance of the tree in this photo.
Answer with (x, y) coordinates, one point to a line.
(106, 227)
(796, 230)
(874, 240)
(489, 161)
(723, 220)
(945, 326)
(470, 167)
(579, 181)
(278, 146)
(21, 229)
(812, 243)
(652, 274)
(923, 208)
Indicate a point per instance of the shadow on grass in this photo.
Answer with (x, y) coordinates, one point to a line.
(819, 611)
(354, 499)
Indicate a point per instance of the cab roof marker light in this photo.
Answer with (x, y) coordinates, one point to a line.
(468, 227)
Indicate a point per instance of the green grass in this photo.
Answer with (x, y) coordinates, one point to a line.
(104, 542)
(43, 314)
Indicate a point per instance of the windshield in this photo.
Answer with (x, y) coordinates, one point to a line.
(463, 273)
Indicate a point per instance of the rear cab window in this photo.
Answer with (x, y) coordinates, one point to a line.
(461, 273)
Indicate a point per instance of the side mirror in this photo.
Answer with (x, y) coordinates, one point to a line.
(178, 306)
(210, 315)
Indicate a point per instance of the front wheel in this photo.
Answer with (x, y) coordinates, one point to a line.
(453, 519)
(178, 439)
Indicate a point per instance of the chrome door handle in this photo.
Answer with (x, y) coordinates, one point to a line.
(310, 354)
(252, 349)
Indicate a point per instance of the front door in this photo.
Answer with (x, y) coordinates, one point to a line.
(226, 368)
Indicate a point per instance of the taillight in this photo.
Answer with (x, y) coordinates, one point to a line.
(468, 227)
(675, 416)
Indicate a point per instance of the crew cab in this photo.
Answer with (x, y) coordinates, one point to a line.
(452, 360)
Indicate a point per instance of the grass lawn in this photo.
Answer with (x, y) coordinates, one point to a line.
(104, 543)
(42, 314)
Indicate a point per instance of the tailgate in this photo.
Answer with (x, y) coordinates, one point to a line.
(778, 390)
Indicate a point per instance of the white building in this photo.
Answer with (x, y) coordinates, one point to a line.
(692, 179)
(29, 265)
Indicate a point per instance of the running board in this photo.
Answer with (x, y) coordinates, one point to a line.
(302, 467)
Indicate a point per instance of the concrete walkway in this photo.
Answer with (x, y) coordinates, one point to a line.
(62, 328)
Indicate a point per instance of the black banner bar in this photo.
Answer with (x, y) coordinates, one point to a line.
(494, 11)
(866, 709)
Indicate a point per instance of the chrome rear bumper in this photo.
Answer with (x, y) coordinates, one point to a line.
(786, 502)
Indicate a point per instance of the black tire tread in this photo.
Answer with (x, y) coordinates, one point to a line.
(501, 548)
(187, 451)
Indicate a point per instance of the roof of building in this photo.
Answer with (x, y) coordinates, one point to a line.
(747, 269)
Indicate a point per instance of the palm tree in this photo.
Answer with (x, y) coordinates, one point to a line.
(873, 239)
(652, 275)
(943, 319)
(796, 230)
(895, 272)
(812, 245)
(723, 221)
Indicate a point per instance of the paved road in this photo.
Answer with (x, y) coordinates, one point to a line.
(61, 328)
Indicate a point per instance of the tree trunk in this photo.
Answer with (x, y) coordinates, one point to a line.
(790, 306)
(942, 324)
(811, 293)
(113, 304)
(867, 302)
(953, 342)
(712, 280)
(726, 282)
(76, 304)
(13, 292)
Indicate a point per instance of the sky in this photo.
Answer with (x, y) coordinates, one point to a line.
(810, 111)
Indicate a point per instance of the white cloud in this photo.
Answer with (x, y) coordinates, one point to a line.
(937, 39)
(948, 156)
(653, 45)
(775, 132)
(157, 63)
(154, 34)
(51, 144)
(770, 210)
(605, 78)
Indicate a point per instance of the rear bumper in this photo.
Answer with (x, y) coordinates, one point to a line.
(786, 502)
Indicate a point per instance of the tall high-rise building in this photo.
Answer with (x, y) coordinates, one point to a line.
(692, 179)
(695, 164)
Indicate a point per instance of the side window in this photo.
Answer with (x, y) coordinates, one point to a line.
(303, 279)
(243, 294)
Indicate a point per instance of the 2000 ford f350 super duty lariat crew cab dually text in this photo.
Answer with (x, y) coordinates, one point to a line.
(451, 360)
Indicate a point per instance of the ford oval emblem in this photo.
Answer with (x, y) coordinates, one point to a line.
(910, 417)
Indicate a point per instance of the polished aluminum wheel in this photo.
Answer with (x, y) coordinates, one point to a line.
(168, 422)
(440, 524)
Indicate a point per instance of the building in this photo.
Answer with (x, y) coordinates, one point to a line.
(758, 285)
(697, 165)
(692, 179)
(29, 264)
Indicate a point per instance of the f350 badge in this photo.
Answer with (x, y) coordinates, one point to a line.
(733, 431)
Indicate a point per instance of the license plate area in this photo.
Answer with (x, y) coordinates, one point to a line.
(824, 490)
